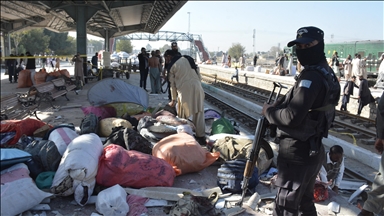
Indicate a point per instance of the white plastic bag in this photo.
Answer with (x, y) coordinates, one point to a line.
(112, 201)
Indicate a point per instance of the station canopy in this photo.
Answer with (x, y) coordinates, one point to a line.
(116, 17)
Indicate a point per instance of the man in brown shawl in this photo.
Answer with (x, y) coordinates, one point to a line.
(79, 74)
(186, 90)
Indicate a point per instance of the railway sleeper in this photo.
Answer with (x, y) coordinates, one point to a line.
(356, 121)
(358, 135)
(368, 141)
(369, 125)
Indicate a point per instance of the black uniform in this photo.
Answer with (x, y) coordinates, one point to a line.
(348, 91)
(143, 67)
(297, 128)
(11, 65)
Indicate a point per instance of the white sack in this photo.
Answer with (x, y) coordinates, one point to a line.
(62, 137)
(78, 168)
(19, 192)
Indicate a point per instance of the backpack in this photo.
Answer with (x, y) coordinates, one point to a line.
(231, 174)
(89, 124)
(332, 96)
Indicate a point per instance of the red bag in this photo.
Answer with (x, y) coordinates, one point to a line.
(26, 126)
(132, 169)
(320, 193)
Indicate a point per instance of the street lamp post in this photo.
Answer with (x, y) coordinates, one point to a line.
(189, 21)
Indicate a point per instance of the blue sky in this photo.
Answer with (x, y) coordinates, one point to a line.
(221, 23)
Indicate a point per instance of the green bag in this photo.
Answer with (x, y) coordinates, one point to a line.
(222, 125)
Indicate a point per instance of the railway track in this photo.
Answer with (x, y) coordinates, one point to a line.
(259, 96)
(359, 128)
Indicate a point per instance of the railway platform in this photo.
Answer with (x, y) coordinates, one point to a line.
(195, 181)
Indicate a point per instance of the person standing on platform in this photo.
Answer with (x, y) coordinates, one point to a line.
(95, 61)
(375, 200)
(347, 68)
(235, 75)
(300, 127)
(223, 59)
(365, 97)
(31, 66)
(229, 61)
(57, 65)
(154, 73)
(175, 47)
(380, 75)
(187, 91)
(348, 91)
(79, 74)
(335, 65)
(11, 66)
(143, 67)
(254, 60)
(356, 67)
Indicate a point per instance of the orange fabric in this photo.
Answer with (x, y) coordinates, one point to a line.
(130, 168)
(184, 153)
(55, 74)
(24, 79)
(65, 73)
(41, 76)
(26, 126)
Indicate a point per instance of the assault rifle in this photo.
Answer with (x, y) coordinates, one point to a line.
(262, 124)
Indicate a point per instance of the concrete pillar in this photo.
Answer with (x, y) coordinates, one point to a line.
(9, 45)
(106, 41)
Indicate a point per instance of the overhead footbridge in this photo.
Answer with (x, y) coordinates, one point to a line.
(196, 41)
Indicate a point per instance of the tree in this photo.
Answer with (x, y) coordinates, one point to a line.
(164, 48)
(97, 44)
(236, 50)
(57, 42)
(71, 49)
(35, 41)
(16, 38)
(274, 51)
(124, 45)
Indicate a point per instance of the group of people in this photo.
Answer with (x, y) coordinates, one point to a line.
(356, 69)
(283, 65)
(301, 125)
(15, 64)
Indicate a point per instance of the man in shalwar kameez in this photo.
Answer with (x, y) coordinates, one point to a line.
(78, 67)
(186, 90)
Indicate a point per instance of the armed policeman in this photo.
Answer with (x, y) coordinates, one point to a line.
(303, 117)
